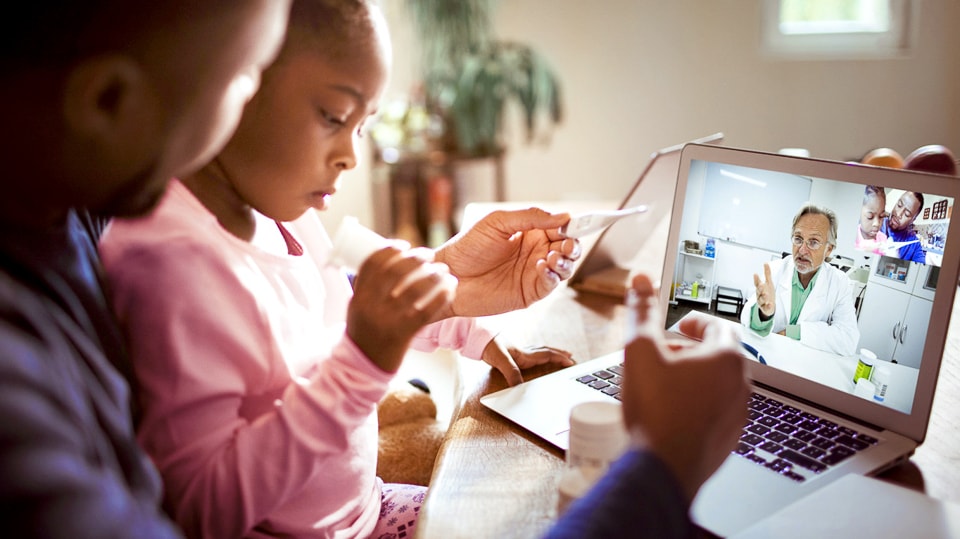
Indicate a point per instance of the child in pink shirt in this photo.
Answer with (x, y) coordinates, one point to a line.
(257, 374)
(869, 236)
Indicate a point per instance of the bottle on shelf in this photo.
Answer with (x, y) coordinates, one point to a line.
(405, 227)
(439, 206)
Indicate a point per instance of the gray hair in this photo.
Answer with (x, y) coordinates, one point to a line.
(813, 209)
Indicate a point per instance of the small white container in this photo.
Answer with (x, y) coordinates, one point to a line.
(597, 438)
(354, 243)
(865, 365)
(880, 378)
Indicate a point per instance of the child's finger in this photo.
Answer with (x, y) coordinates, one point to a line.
(386, 273)
(541, 355)
(430, 285)
(435, 300)
(410, 268)
(504, 362)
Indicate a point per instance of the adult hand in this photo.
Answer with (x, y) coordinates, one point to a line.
(510, 360)
(508, 260)
(684, 402)
(396, 293)
(766, 292)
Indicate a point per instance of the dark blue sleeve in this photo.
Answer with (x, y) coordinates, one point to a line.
(69, 462)
(637, 498)
(913, 252)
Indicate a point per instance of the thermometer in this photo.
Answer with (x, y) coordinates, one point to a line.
(585, 224)
(897, 244)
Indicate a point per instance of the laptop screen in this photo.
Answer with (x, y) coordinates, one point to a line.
(619, 249)
(846, 262)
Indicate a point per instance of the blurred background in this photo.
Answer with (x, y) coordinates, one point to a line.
(633, 76)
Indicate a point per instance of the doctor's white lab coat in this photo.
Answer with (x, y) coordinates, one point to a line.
(828, 320)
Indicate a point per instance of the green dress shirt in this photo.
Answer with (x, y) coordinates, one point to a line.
(798, 297)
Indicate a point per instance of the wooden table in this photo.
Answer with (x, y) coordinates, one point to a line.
(494, 480)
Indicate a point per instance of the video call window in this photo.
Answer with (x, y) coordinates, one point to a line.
(903, 224)
(889, 246)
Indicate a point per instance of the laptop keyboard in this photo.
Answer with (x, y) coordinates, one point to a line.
(606, 381)
(795, 443)
(791, 442)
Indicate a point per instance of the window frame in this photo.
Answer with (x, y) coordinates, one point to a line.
(895, 42)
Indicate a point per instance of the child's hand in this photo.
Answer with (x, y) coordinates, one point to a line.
(397, 292)
(509, 360)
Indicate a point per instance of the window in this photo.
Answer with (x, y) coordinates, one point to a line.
(841, 29)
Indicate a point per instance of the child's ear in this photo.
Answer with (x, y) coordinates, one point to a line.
(110, 102)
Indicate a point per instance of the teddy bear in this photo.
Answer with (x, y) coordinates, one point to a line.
(410, 434)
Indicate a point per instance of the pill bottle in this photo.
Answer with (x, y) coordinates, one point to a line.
(353, 244)
(710, 251)
(865, 365)
(597, 438)
(880, 378)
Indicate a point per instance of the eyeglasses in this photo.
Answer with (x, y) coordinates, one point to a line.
(813, 244)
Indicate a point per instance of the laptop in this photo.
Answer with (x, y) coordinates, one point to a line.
(852, 428)
(619, 252)
(859, 506)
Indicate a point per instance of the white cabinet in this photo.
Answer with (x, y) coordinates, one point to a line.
(913, 332)
(895, 313)
(693, 268)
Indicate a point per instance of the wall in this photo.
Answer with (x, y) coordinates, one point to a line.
(643, 74)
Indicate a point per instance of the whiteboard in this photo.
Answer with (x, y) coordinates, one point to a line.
(751, 207)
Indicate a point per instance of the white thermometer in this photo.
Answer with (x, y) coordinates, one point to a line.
(585, 224)
(897, 244)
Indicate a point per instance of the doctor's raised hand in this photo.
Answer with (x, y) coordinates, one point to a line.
(766, 293)
(508, 260)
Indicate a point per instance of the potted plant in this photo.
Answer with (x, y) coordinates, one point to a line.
(443, 146)
(470, 78)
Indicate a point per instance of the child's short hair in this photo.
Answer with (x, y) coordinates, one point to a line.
(331, 27)
(873, 190)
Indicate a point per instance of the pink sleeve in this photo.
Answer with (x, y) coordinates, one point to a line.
(466, 335)
(201, 345)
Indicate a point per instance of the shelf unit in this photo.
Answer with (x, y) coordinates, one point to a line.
(729, 301)
(694, 267)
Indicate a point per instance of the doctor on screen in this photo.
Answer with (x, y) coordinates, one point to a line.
(803, 298)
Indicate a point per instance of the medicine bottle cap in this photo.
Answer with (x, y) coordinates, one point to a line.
(867, 356)
(597, 432)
